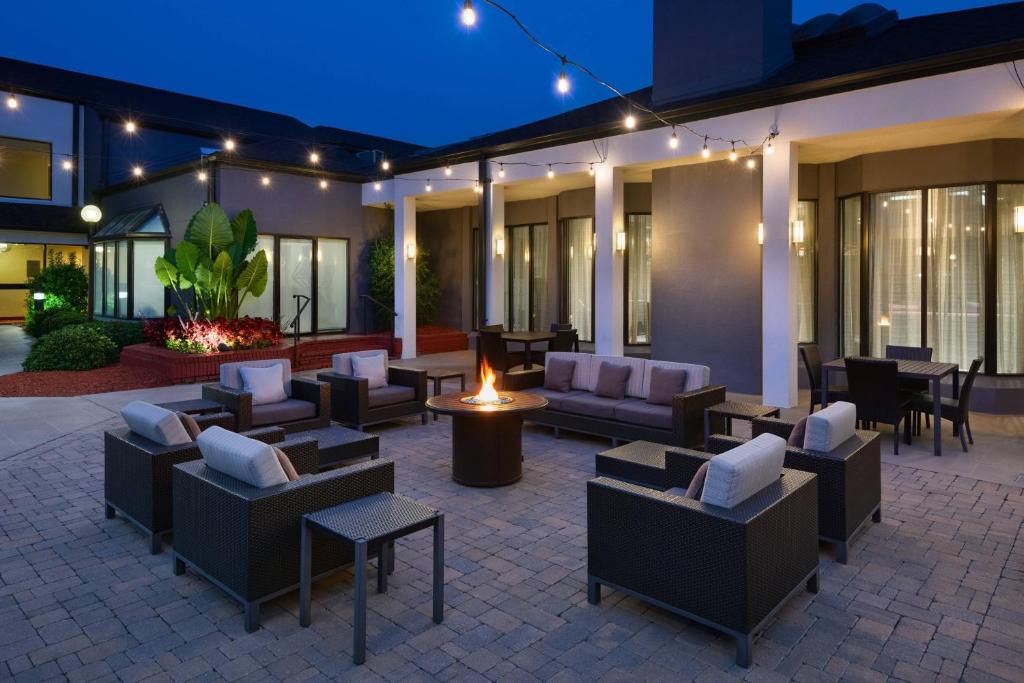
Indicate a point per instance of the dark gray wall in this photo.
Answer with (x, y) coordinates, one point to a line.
(706, 275)
(447, 235)
(181, 196)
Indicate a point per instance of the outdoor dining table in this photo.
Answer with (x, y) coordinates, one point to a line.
(527, 338)
(910, 369)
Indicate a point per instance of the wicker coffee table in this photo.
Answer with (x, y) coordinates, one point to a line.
(341, 445)
(735, 409)
(487, 440)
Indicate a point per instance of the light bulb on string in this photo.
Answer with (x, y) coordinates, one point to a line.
(67, 165)
(591, 171)
(130, 127)
(551, 172)
(137, 171)
(501, 170)
(376, 186)
(751, 164)
(732, 153)
(448, 170)
(630, 121)
(768, 148)
(673, 141)
(385, 164)
(314, 158)
(323, 184)
(12, 101)
(562, 84)
(202, 177)
(265, 181)
(429, 187)
(468, 14)
(705, 152)
(229, 145)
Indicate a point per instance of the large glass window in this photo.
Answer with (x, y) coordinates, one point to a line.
(956, 274)
(807, 270)
(526, 277)
(849, 273)
(578, 248)
(109, 278)
(24, 169)
(638, 278)
(1010, 278)
(97, 279)
(895, 270)
(332, 284)
(263, 305)
(147, 292)
(122, 279)
(18, 262)
(296, 263)
(124, 266)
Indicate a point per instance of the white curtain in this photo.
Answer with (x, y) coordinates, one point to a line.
(579, 246)
(849, 265)
(895, 270)
(296, 278)
(518, 319)
(638, 302)
(806, 280)
(147, 292)
(956, 273)
(539, 273)
(332, 284)
(1009, 280)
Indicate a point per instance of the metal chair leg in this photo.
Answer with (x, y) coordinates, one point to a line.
(970, 437)
(963, 438)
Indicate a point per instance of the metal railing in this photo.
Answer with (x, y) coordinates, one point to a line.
(380, 305)
(300, 306)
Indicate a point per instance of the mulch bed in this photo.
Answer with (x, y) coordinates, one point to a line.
(114, 377)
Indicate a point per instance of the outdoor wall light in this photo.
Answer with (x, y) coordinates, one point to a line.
(91, 213)
(40, 300)
(620, 241)
(760, 234)
(1018, 219)
(798, 232)
(884, 321)
(499, 246)
(410, 250)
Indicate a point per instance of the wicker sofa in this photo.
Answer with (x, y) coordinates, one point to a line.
(245, 539)
(137, 474)
(631, 419)
(308, 403)
(849, 479)
(354, 404)
(729, 569)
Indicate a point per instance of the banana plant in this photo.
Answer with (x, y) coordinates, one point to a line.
(215, 261)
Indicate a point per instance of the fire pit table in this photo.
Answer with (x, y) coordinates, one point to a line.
(487, 438)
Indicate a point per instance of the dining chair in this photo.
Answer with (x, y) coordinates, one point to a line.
(875, 390)
(810, 354)
(956, 410)
(565, 340)
(916, 386)
(558, 327)
(491, 347)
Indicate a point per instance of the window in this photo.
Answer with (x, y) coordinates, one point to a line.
(124, 282)
(332, 284)
(18, 262)
(578, 275)
(526, 277)
(807, 271)
(147, 292)
(895, 270)
(296, 264)
(638, 278)
(263, 305)
(25, 169)
(849, 274)
(1009, 278)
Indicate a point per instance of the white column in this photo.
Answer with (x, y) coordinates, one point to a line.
(609, 207)
(405, 274)
(779, 278)
(493, 232)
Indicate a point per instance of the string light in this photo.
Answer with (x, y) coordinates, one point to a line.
(562, 85)
(385, 164)
(751, 164)
(201, 176)
(673, 141)
(705, 152)
(769, 149)
(229, 145)
(67, 165)
(376, 186)
(591, 171)
(630, 122)
(12, 101)
(447, 170)
(137, 171)
(551, 172)
(129, 126)
(429, 187)
(501, 170)
(732, 153)
(265, 181)
(323, 184)
(314, 158)
(477, 187)
(468, 14)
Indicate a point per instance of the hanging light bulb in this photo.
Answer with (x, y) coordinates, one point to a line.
(429, 187)
(314, 158)
(385, 164)
(376, 186)
(630, 121)
(323, 184)
(67, 165)
(265, 181)
(562, 84)
(732, 153)
(705, 152)
(202, 177)
(137, 171)
(468, 15)
(551, 172)
(591, 171)
(501, 170)
(130, 127)
(229, 145)
(448, 170)
(768, 148)
(673, 141)
(751, 163)
(12, 101)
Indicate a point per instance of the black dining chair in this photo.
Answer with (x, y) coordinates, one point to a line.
(565, 340)
(491, 347)
(810, 354)
(875, 390)
(558, 327)
(914, 386)
(956, 410)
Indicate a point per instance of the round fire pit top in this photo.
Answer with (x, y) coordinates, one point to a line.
(474, 401)
(453, 404)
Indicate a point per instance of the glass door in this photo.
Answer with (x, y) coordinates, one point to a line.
(578, 277)
(296, 269)
(638, 278)
(526, 277)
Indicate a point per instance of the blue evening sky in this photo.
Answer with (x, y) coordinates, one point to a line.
(400, 68)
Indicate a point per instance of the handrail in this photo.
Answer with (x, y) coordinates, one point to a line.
(300, 306)
(381, 305)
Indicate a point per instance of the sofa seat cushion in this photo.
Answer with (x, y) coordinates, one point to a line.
(390, 394)
(554, 398)
(245, 459)
(289, 410)
(828, 428)
(155, 423)
(737, 474)
(639, 412)
(589, 405)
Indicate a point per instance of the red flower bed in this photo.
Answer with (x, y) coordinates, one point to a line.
(114, 377)
(208, 336)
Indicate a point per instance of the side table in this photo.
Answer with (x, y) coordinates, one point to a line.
(439, 376)
(735, 409)
(376, 521)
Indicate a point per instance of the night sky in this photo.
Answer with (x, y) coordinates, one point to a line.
(401, 68)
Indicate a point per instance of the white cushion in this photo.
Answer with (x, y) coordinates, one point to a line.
(373, 368)
(230, 376)
(830, 427)
(581, 373)
(738, 474)
(341, 363)
(245, 459)
(265, 384)
(155, 423)
(697, 376)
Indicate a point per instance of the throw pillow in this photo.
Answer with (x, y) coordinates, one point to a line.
(611, 380)
(265, 384)
(190, 425)
(665, 383)
(155, 423)
(372, 368)
(696, 486)
(796, 437)
(558, 374)
(286, 464)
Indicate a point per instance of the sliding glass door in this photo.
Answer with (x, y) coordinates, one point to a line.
(849, 273)
(1009, 276)
(526, 277)
(578, 275)
(895, 270)
(331, 284)
(638, 278)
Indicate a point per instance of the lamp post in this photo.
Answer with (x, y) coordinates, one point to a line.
(40, 299)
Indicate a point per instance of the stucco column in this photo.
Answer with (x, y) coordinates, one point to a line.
(779, 278)
(405, 274)
(494, 280)
(609, 207)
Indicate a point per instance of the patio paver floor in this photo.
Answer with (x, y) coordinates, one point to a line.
(934, 592)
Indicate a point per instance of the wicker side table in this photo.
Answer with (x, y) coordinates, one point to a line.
(439, 376)
(735, 409)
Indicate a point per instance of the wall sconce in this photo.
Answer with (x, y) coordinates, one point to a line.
(760, 234)
(620, 241)
(798, 232)
(1018, 220)
(410, 250)
(884, 321)
(499, 246)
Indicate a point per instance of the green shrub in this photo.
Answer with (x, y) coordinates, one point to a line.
(64, 283)
(50, 319)
(382, 283)
(76, 347)
(120, 332)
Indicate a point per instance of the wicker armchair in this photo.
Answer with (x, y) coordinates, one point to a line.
(849, 479)
(137, 474)
(352, 403)
(729, 569)
(245, 540)
(228, 393)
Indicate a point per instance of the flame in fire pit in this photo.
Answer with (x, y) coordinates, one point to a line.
(487, 393)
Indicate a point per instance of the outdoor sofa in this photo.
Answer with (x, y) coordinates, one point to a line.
(305, 404)
(632, 418)
(355, 404)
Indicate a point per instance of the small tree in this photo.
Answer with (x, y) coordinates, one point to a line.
(63, 282)
(382, 283)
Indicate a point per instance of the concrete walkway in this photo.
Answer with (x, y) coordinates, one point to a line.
(14, 346)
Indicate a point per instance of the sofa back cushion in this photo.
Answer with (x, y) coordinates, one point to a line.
(245, 459)
(341, 363)
(611, 380)
(635, 381)
(830, 427)
(230, 376)
(265, 384)
(155, 423)
(737, 474)
(558, 374)
(373, 368)
(665, 384)
(697, 376)
(580, 374)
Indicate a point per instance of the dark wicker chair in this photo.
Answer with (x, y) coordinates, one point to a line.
(729, 569)
(875, 390)
(137, 474)
(810, 354)
(849, 479)
(956, 410)
(353, 405)
(492, 348)
(565, 340)
(245, 540)
(913, 386)
(239, 402)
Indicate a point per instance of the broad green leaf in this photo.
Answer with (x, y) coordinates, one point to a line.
(203, 280)
(187, 258)
(253, 277)
(222, 273)
(243, 227)
(166, 272)
(210, 230)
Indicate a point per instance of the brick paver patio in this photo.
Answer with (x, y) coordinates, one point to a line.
(935, 592)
